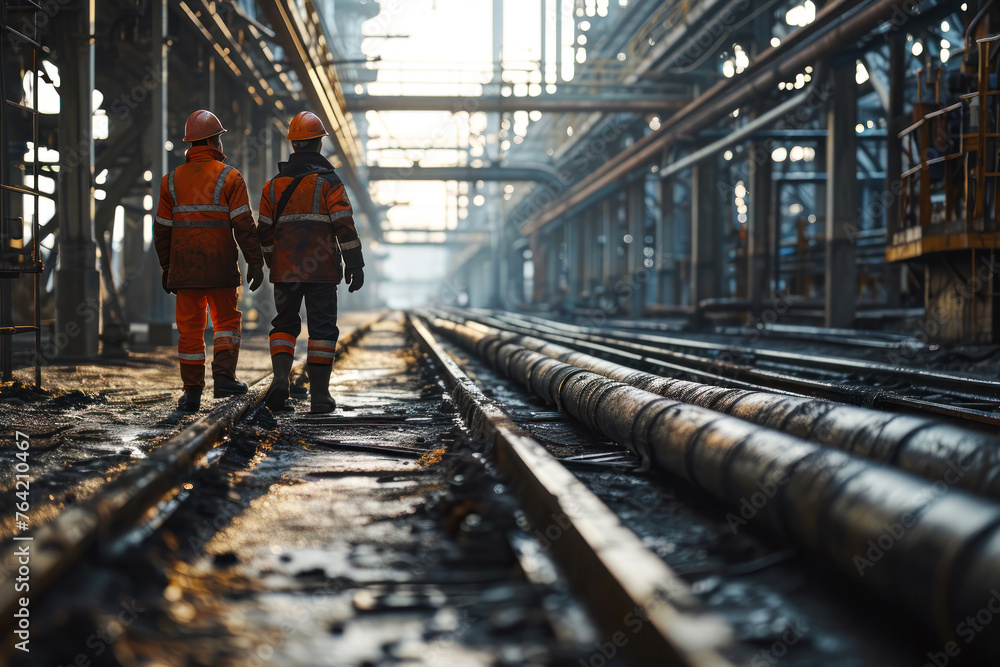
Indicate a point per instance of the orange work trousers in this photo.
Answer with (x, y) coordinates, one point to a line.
(226, 320)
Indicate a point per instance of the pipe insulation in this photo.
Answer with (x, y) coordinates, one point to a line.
(922, 446)
(928, 548)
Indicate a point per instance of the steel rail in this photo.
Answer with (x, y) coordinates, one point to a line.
(929, 549)
(602, 558)
(94, 524)
(752, 377)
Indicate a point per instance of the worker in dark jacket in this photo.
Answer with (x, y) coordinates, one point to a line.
(203, 204)
(306, 227)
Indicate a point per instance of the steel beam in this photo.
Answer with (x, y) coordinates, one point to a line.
(760, 220)
(451, 238)
(841, 200)
(543, 103)
(706, 241)
(760, 80)
(77, 280)
(506, 174)
(322, 86)
(635, 258)
(161, 305)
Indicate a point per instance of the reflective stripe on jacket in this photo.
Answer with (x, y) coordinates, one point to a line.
(316, 227)
(204, 211)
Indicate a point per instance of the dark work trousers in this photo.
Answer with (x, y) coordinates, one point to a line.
(321, 310)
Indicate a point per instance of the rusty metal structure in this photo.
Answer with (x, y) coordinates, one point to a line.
(704, 161)
(116, 81)
(949, 209)
(20, 194)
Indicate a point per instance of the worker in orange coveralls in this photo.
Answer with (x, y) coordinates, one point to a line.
(306, 225)
(203, 204)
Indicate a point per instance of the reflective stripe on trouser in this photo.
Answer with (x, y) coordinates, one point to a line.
(321, 351)
(282, 343)
(321, 315)
(191, 321)
(226, 339)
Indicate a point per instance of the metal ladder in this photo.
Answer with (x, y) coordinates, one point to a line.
(20, 54)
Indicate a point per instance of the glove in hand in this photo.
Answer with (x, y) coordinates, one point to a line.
(163, 282)
(354, 276)
(255, 276)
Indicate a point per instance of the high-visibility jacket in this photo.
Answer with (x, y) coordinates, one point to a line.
(203, 213)
(316, 227)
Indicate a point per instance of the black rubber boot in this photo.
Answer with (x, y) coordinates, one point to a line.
(277, 394)
(190, 400)
(319, 388)
(225, 386)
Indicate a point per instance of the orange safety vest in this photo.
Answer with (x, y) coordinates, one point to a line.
(315, 229)
(204, 211)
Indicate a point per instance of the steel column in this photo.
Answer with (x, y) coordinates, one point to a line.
(759, 220)
(842, 199)
(894, 158)
(637, 229)
(161, 304)
(666, 246)
(706, 238)
(77, 279)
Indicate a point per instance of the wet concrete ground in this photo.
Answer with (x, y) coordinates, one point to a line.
(91, 420)
(785, 610)
(371, 536)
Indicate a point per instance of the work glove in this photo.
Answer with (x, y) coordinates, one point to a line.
(354, 276)
(163, 282)
(255, 276)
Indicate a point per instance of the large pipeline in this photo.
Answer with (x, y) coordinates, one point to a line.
(919, 445)
(930, 549)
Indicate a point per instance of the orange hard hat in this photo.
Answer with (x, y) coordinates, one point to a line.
(202, 125)
(306, 125)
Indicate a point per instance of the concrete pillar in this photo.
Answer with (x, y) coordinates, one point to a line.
(842, 200)
(77, 278)
(706, 236)
(760, 217)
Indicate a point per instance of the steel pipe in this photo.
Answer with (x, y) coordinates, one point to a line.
(759, 81)
(544, 103)
(526, 172)
(918, 445)
(929, 548)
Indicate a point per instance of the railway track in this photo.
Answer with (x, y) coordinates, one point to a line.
(473, 497)
(961, 398)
